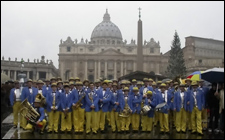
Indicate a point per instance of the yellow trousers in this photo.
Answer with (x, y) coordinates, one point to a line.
(53, 120)
(189, 123)
(204, 119)
(108, 118)
(115, 121)
(98, 119)
(16, 109)
(66, 123)
(143, 122)
(148, 123)
(135, 121)
(102, 120)
(91, 121)
(164, 122)
(43, 122)
(196, 119)
(172, 117)
(78, 117)
(156, 118)
(125, 123)
(181, 120)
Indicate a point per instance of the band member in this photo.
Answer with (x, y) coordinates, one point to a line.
(53, 80)
(77, 79)
(86, 84)
(196, 106)
(79, 107)
(164, 97)
(104, 99)
(30, 93)
(149, 101)
(97, 84)
(205, 91)
(60, 87)
(15, 101)
(115, 108)
(47, 86)
(41, 122)
(181, 102)
(139, 84)
(136, 104)
(71, 79)
(172, 113)
(66, 105)
(128, 84)
(150, 82)
(53, 108)
(158, 85)
(40, 88)
(134, 84)
(108, 118)
(34, 84)
(146, 86)
(123, 85)
(126, 104)
(188, 88)
(92, 109)
(156, 113)
(59, 79)
(65, 82)
(115, 81)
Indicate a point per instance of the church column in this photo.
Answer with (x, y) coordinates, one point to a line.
(134, 66)
(28, 75)
(95, 76)
(99, 69)
(105, 69)
(115, 70)
(85, 70)
(14, 74)
(37, 76)
(121, 71)
(75, 69)
(9, 73)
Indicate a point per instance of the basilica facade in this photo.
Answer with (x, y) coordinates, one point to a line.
(106, 54)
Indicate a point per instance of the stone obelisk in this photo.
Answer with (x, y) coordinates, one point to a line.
(139, 43)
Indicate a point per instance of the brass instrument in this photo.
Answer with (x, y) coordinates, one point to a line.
(53, 103)
(104, 98)
(145, 109)
(43, 99)
(79, 102)
(126, 111)
(29, 112)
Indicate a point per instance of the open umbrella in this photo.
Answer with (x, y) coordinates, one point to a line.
(195, 76)
(213, 75)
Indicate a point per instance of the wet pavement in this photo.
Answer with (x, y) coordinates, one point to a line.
(109, 135)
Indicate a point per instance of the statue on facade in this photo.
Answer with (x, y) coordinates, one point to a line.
(15, 59)
(145, 42)
(2, 57)
(37, 60)
(47, 61)
(61, 41)
(125, 41)
(34, 60)
(75, 41)
(28, 60)
(9, 58)
(86, 41)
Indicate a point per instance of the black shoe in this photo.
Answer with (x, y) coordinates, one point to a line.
(114, 131)
(178, 131)
(167, 133)
(41, 132)
(161, 132)
(69, 132)
(183, 132)
(56, 132)
(193, 132)
(200, 134)
(49, 132)
(102, 131)
(62, 132)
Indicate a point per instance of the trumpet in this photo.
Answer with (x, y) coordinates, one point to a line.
(79, 102)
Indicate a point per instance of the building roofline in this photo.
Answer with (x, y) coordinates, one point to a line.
(204, 38)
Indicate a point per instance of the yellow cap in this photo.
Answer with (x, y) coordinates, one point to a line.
(78, 83)
(151, 80)
(114, 80)
(114, 84)
(65, 82)
(109, 81)
(134, 80)
(159, 82)
(71, 83)
(53, 84)
(128, 82)
(66, 85)
(146, 79)
(123, 83)
(149, 92)
(175, 83)
(104, 82)
(59, 82)
(163, 85)
(40, 82)
(154, 83)
(194, 83)
(71, 78)
(135, 88)
(16, 82)
(77, 78)
(139, 83)
(29, 80)
(53, 78)
(126, 89)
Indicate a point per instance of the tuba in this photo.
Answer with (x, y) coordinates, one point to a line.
(29, 112)
(127, 111)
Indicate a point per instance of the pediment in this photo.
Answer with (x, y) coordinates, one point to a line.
(110, 52)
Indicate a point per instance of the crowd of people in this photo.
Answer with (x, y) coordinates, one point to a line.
(89, 106)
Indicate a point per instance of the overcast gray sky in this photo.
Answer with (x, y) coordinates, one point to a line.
(32, 29)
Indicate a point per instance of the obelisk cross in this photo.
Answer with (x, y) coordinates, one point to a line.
(139, 12)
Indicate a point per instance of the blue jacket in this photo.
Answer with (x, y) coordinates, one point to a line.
(74, 96)
(87, 90)
(66, 102)
(106, 99)
(199, 98)
(205, 91)
(41, 111)
(11, 96)
(44, 91)
(152, 104)
(177, 101)
(89, 103)
(129, 102)
(80, 94)
(47, 89)
(49, 101)
(26, 94)
(160, 100)
(61, 91)
(114, 99)
(136, 103)
(142, 89)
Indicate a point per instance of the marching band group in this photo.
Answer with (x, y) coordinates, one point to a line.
(75, 104)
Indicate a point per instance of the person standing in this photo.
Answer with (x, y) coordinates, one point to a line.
(196, 106)
(221, 111)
